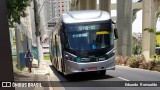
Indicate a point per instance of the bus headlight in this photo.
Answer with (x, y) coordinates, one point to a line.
(71, 58)
(68, 57)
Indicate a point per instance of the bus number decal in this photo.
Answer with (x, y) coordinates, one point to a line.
(90, 27)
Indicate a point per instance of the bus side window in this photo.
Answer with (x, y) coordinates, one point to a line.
(61, 35)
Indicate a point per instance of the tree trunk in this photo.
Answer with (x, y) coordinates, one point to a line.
(6, 67)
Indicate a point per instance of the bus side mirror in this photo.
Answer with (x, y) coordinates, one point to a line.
(116, 33)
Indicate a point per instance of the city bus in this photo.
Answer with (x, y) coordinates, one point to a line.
(83, 42)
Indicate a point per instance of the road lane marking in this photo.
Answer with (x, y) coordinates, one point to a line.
(123, 79)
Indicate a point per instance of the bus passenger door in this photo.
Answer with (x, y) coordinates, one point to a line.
(62, 40)
(56, 53)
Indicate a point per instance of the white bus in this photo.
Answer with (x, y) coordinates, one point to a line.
(84, 42)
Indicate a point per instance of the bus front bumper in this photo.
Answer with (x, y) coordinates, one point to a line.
(74, 67)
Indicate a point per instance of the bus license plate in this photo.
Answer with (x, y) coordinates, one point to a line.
(92, 68)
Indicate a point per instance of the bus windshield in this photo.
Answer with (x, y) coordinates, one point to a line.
(89, 36)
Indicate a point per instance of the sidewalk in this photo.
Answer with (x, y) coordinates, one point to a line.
(38, 74)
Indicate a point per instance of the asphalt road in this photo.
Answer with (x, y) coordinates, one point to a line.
(93, 81)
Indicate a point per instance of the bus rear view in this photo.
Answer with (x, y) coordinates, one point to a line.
(87, 41)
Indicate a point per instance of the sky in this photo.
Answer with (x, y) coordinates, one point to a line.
(137, 24)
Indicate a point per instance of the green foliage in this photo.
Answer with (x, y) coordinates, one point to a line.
(16, 9)
(151, 65)
(46, 57)
(158, 39)
(158, 14)
(153, 30)
(150, 30)
(158, 33)
(158, 62)
(156, 65)
(153, 56)
(157, 45)
(134, 63)
(136, 46)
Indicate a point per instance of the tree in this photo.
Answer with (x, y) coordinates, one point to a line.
(16, 9)
(150, 30)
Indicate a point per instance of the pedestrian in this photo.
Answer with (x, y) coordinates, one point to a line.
(29, 58)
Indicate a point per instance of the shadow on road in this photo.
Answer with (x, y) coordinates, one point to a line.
(87, 76)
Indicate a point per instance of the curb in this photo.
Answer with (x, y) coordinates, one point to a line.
(137, 68)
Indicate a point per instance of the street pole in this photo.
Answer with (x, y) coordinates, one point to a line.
(39, 46)
(6, 66)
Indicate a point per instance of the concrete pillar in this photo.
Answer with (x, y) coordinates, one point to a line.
(92, 4)
(83, 4)
(153, 25)
(88, 4)
(149, 21)
(74, 5)
(105, 5)
(124, 26)
(146, 24)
